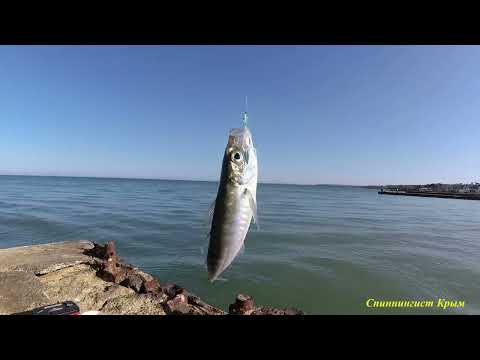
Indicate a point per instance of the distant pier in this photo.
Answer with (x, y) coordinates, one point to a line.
(444, 195)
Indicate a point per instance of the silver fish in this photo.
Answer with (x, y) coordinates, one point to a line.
(235, 204)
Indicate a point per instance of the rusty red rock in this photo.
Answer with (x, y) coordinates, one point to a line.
(243, 305)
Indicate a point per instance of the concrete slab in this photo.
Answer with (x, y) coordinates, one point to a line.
(20, 291)
(45, 258)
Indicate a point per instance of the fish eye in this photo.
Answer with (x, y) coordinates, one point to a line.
(236, 156)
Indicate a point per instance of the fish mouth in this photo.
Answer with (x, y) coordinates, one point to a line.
(241, 137)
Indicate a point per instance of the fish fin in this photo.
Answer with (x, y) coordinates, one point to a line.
(257, 225)
(211, 210)
(253, 206)
(207, 241)
(242, 250)
(221, 279)
(208, 222)
(202, 249)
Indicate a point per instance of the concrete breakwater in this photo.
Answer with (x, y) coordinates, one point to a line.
(96, 279)
(444, 195)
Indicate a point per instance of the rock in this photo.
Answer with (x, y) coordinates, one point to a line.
(273, 311)
(134, 282)
(171, 290)
(150, 286)
(143, 275)
(114, 271)
(243, 305)
(97, 251)
(203, 307)
(111, 269)
(184, 309)
(20, 291)
(158, 296)
(139, 281)
(178, 304)
(293, 311)
(110, 252)
(187, 304)
(133, 305)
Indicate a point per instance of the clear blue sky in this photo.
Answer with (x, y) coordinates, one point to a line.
(319, 114)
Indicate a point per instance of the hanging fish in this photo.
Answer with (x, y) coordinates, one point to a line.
(236, 203)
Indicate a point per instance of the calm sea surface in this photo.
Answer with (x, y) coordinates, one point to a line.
(322, 249)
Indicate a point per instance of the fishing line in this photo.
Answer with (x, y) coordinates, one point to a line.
(245, 114)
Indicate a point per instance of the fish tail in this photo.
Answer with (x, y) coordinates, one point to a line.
(213, 278)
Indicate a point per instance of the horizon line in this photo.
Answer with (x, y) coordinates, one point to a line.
(166, 179)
